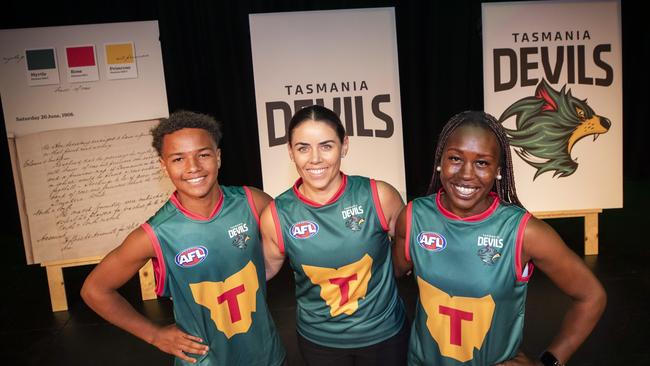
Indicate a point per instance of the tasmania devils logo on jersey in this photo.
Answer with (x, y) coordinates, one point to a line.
(432, 241)
(190, 257)
(304, 229)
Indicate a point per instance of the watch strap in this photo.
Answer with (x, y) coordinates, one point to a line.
(548, 359)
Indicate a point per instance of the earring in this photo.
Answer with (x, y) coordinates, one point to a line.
(499, 177)
(438, 168)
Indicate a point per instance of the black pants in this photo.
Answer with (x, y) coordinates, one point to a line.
(391, 352)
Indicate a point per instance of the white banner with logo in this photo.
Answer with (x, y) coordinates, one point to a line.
(553, 77)
(345, 60)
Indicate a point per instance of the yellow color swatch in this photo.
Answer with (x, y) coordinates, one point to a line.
(121, 53)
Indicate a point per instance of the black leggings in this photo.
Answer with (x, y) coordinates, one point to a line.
(391, 352)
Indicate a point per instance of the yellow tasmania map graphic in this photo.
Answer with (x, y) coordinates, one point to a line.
(458, 324)
(231, 302)
(343, 287)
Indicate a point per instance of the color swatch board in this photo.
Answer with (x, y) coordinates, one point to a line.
(78, 76)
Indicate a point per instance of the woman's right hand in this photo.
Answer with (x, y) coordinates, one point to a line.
(174, 341)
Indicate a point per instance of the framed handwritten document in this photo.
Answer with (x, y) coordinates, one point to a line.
(86, 188)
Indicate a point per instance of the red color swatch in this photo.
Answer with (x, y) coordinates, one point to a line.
(80, 56)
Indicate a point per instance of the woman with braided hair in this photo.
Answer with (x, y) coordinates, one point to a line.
(472, 247)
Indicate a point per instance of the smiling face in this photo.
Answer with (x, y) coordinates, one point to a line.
(317, 150)
(470, 164)
(191, 159)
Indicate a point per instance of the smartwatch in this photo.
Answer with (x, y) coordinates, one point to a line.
(548, 359)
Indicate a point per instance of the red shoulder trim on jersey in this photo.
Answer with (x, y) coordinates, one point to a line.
(477, 217)
(176, 202)
(159, 269)
(278, 230)
(304, 199)
(380, 211)
(521, 276)
(251, 203)
(407, 237)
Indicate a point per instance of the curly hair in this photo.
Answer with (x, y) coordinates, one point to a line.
(184, 119)
(505, 187)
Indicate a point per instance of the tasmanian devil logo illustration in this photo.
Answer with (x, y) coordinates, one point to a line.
(488, 255)
(354, 222)
(239, 241)
(548, 125)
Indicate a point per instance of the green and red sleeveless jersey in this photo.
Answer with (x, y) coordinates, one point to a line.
(340, 255)
(213, 269)
(472, 287)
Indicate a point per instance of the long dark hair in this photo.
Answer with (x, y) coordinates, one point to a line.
(504, 187)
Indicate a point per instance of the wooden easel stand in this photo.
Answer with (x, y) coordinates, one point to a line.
(591, 225)
(56, 282)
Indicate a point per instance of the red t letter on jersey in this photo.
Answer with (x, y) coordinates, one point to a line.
(455, 318)
(344, 287)
(233, 305)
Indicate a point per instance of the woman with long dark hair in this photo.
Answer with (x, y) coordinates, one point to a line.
(335, 229)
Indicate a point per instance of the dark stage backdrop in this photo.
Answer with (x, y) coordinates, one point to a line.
(440, 66)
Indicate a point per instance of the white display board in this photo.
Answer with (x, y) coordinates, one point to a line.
(553, 76)
(345, 60)
(81, 75)
(82, 181)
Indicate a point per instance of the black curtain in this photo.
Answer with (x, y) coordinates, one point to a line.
(440, 66)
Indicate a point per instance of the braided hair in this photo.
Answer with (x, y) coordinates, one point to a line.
(504, 187)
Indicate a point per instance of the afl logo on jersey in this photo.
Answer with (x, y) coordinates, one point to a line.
(190, 257)
(304, 229)
(432, 241)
